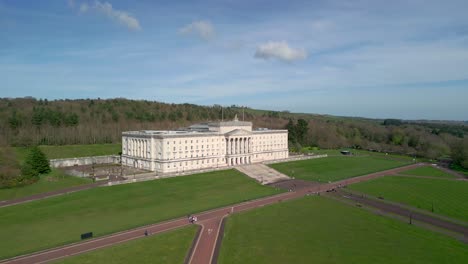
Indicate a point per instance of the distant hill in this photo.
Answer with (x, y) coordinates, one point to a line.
(27, 121)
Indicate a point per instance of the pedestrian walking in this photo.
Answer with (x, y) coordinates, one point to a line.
(146, 232)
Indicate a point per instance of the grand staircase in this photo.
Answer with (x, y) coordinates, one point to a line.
(262, 173)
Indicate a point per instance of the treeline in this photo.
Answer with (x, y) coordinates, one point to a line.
(28, 121)
(419, 140)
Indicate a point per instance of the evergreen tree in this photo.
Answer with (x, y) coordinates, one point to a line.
(301, 130)
(291, 131)
(37, 161)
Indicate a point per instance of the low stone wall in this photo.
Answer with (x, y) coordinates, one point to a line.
(153, 175)
(59, 163)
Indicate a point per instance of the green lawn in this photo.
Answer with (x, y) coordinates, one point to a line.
(450, 198)
(73, 151)
(336, 168)
(320, 230)
(53, 181)
(428, 171)
(58, 220)
(169, 247)
(357, 152)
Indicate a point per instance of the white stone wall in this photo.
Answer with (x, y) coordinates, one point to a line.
(58, 163)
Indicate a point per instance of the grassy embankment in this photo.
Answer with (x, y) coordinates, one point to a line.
(448, 198)
(428, 171)
(337, 168)
(73, 151)
(320, 230)
(60, 220)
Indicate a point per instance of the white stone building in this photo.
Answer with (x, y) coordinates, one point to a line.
(203, 146)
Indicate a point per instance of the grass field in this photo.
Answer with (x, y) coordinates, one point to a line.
(169, 247)
(428, 171)
(320, 230)
(357, 152)
(450, 198)
(53, 181)
(58, 220)
(336, 168)
(73, 151)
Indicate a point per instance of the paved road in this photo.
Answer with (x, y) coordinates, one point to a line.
(204, 248)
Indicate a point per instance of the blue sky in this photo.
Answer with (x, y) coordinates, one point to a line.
(401, 59)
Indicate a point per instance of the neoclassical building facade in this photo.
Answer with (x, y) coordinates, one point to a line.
(202, 146)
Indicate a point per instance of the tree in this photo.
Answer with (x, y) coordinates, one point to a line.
(291, 131)
(459, 152)
(15, 120)
(392, 122)
(37, 161)
(301, 130)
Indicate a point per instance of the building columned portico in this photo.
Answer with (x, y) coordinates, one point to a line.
(202, 146)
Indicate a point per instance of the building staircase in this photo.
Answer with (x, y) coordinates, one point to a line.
(262, 173)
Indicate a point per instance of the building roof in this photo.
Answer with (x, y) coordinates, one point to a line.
(239, 132)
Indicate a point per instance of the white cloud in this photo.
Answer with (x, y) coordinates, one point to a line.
(203, 29)
(279, 50)
(106, 8)
(120, 16)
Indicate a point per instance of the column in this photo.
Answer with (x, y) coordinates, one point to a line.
(226, 142)
(139, 148)
(241, 145)
(235, 146)
(246, 145)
